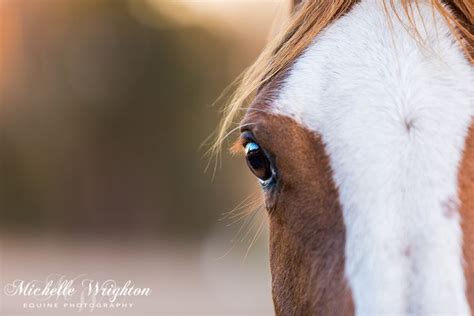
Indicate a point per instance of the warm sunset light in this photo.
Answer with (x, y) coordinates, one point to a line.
(10, 40)
(252, 18)
(104, 106)
(349, 189)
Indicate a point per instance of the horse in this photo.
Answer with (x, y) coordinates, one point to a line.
(358, 124)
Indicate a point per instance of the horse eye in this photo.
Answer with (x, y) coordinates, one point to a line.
(258, 162)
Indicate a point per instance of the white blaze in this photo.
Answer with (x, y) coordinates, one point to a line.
(394, 119)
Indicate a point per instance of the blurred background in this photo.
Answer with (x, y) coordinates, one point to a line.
(104, 106)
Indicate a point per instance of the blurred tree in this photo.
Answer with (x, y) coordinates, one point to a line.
(101, 130)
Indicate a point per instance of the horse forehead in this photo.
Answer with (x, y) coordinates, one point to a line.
(366, 61)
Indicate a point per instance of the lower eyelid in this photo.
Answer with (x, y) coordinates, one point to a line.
(266, 183)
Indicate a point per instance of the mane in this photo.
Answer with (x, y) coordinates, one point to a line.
(306, 22)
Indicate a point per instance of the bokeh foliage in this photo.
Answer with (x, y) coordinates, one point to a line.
(102, 125)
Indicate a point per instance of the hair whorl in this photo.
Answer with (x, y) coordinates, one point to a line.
(306, 22)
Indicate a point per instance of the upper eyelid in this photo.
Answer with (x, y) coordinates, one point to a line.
(247, 136)
(244, 138)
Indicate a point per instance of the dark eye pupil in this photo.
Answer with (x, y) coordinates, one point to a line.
(259, 164)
